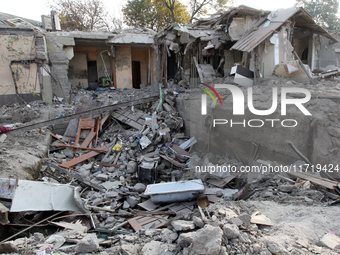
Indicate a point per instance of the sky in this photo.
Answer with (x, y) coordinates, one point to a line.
(33, 9)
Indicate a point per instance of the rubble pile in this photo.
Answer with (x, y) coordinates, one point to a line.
(126, 182)
(223, 228)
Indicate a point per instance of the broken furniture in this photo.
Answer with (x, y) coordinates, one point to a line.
(85, 124)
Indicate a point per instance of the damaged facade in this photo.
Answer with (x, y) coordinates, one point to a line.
(23, 52)
(253, 39)
(40, 63)
(108, 168)
(91, 59)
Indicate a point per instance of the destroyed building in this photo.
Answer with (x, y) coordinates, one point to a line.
(254, 39)
(123, 59)
(23, 51)
(56, 61)
(119, 154)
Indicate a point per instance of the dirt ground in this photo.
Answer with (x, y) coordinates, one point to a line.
(294, 222)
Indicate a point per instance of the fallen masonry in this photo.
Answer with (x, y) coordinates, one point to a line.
(125, 180)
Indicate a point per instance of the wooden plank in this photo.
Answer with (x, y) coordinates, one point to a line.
(84, 123)
(56, 137)
(80, 148)
(315, 180)
(304, 68)
(84, 157)
(88, 140)
(97, 128)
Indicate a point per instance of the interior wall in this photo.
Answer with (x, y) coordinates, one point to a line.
(77, 72)
(300, 44)
(141, 55)
(123, 67)
(285, 47)
(15, 47)
(107, 60)
(267, 58)
(328, 51)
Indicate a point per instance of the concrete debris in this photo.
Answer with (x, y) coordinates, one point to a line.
(231, 231)
(88, 244)
(331, 241)
(260, 219)
(139, 187)
(156, 248)
(168, 236)
(207, 240)
(56, 240)
(3, 138)
(199, 223)
(182, 225)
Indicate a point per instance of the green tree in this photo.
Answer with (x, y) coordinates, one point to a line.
(324, 12)
(140, 14)
(83, 15)
(200, 7)
(154, 14)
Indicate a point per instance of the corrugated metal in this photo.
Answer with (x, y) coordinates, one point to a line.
(253, 38)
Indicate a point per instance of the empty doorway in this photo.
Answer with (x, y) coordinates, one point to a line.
(136, 75)
(92, 74)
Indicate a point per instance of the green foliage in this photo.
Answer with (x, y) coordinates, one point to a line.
(324, 12)
(140, 14)
(154, 14)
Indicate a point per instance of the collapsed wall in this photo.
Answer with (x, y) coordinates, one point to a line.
(316, 136)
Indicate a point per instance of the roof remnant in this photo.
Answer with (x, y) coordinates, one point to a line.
(5, 21)
(266, 27)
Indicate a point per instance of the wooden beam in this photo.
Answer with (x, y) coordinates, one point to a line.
(88, 140)
(304, 68)
(315, 180)
(81, 148)
(56, 137)
(85, 114)
(84, 157)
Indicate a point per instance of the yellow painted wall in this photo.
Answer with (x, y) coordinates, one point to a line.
(14, 47)
(123, 67)
(91, 52)
(142, 56)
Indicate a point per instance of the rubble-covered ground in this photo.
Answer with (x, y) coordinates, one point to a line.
(139, 145)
